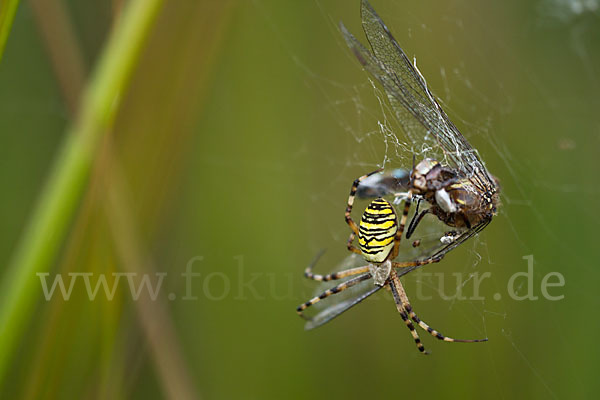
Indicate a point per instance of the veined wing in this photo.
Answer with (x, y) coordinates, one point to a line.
(389, 183)
(415, 107)
(435, 246)
(461, 238)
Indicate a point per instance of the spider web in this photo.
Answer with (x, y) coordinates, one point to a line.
(477, 103)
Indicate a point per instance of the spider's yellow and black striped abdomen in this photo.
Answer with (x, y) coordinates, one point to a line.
(376, 231)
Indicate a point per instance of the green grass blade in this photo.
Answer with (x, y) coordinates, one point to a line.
(43, 236)
(8, 10)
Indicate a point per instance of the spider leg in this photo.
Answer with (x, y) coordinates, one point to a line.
(351, 246)
(398, 300)
(335, 275)
(400, 231)
(336, 289)
(399, 291)
(347, 216)
(418, 263)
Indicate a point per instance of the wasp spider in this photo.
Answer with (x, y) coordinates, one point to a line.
(379, 235)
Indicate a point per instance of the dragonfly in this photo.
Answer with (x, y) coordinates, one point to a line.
(458, 190)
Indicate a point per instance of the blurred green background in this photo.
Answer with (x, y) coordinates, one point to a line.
(231, 152)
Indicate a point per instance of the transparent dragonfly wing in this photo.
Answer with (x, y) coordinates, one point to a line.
(435, 241)
(384, 184)
(416, 109)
